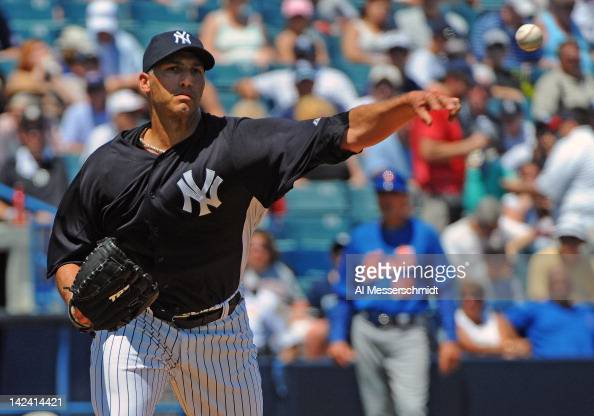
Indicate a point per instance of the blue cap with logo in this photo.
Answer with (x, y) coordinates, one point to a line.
(168, 43)
(389, 180)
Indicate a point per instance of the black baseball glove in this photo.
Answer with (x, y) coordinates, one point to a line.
(110, 289)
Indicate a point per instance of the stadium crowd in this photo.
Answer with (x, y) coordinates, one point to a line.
(510, 182)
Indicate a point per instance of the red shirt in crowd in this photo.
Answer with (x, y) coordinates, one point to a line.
(444, 176)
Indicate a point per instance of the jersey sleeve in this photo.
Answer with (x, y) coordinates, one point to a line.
(76, 226)
(270, 154)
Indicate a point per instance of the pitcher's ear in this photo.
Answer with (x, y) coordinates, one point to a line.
(144, 84)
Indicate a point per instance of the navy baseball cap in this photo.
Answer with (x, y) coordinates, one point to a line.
(390, 181)
(168, 43)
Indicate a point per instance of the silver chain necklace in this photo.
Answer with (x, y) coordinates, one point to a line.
(151, 147)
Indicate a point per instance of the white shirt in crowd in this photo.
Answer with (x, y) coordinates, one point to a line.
(330, 83)
(568, 177)
(100, 135)
(486, 334)
(464, 246)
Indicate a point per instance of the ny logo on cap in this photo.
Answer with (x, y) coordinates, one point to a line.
(184, 37)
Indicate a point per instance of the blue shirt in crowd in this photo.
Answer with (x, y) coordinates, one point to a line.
(556, 331)
(370, 237)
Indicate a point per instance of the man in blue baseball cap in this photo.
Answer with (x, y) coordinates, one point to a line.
(389, 342)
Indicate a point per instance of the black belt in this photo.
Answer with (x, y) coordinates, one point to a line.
(400, 320)
(193, 320)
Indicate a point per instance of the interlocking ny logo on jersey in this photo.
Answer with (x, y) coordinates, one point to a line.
(183, 37)
(191, 191)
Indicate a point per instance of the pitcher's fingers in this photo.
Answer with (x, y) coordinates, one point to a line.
(423, 113)
(434, 103)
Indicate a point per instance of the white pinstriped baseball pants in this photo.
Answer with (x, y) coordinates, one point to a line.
(213, 369)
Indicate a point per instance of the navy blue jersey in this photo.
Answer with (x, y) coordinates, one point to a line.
(187, 215)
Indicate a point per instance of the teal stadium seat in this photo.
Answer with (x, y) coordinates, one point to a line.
(7, 66)
(270, 10)
(315, 232)
(75, 12)
(228, 99)
(46, 30)
(224, 78)
(144, 31)
(363, 205)
(308, 263)
(148, 11)
(207, 7)
(358, 73)
(318, 197)
(29, 9)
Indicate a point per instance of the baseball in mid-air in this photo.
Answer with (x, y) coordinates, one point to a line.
(529, 37)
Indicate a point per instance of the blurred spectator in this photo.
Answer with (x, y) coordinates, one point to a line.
(386, 82)
(334, 12)
(506, 83)
(249, 108)
(10, 120)
(568, 253)
(466, 240)
(427, 65)
(475, 113)
(299, 14)
(120, 54)
(545, 139)
(564, 87)
(278, 86)
(417, 21)
(398, 47)
(438, 153)
(484, 332)
(511, 15)
(505, 285)
(583, 17)
(364, 38)
(125, 109)
(81, 118)
(556, 328)
(522, 223)
(37, 72)
(276, 305)
(305, 80)
(389, 337)
(235, 34)
(515, 230)
(484, 172)
(568, 175)
(33, 165)
(79, 57)
(483, 177)
(323, 299)
(558, 26)
(309, 107)
(518, 137)
(456, 48)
